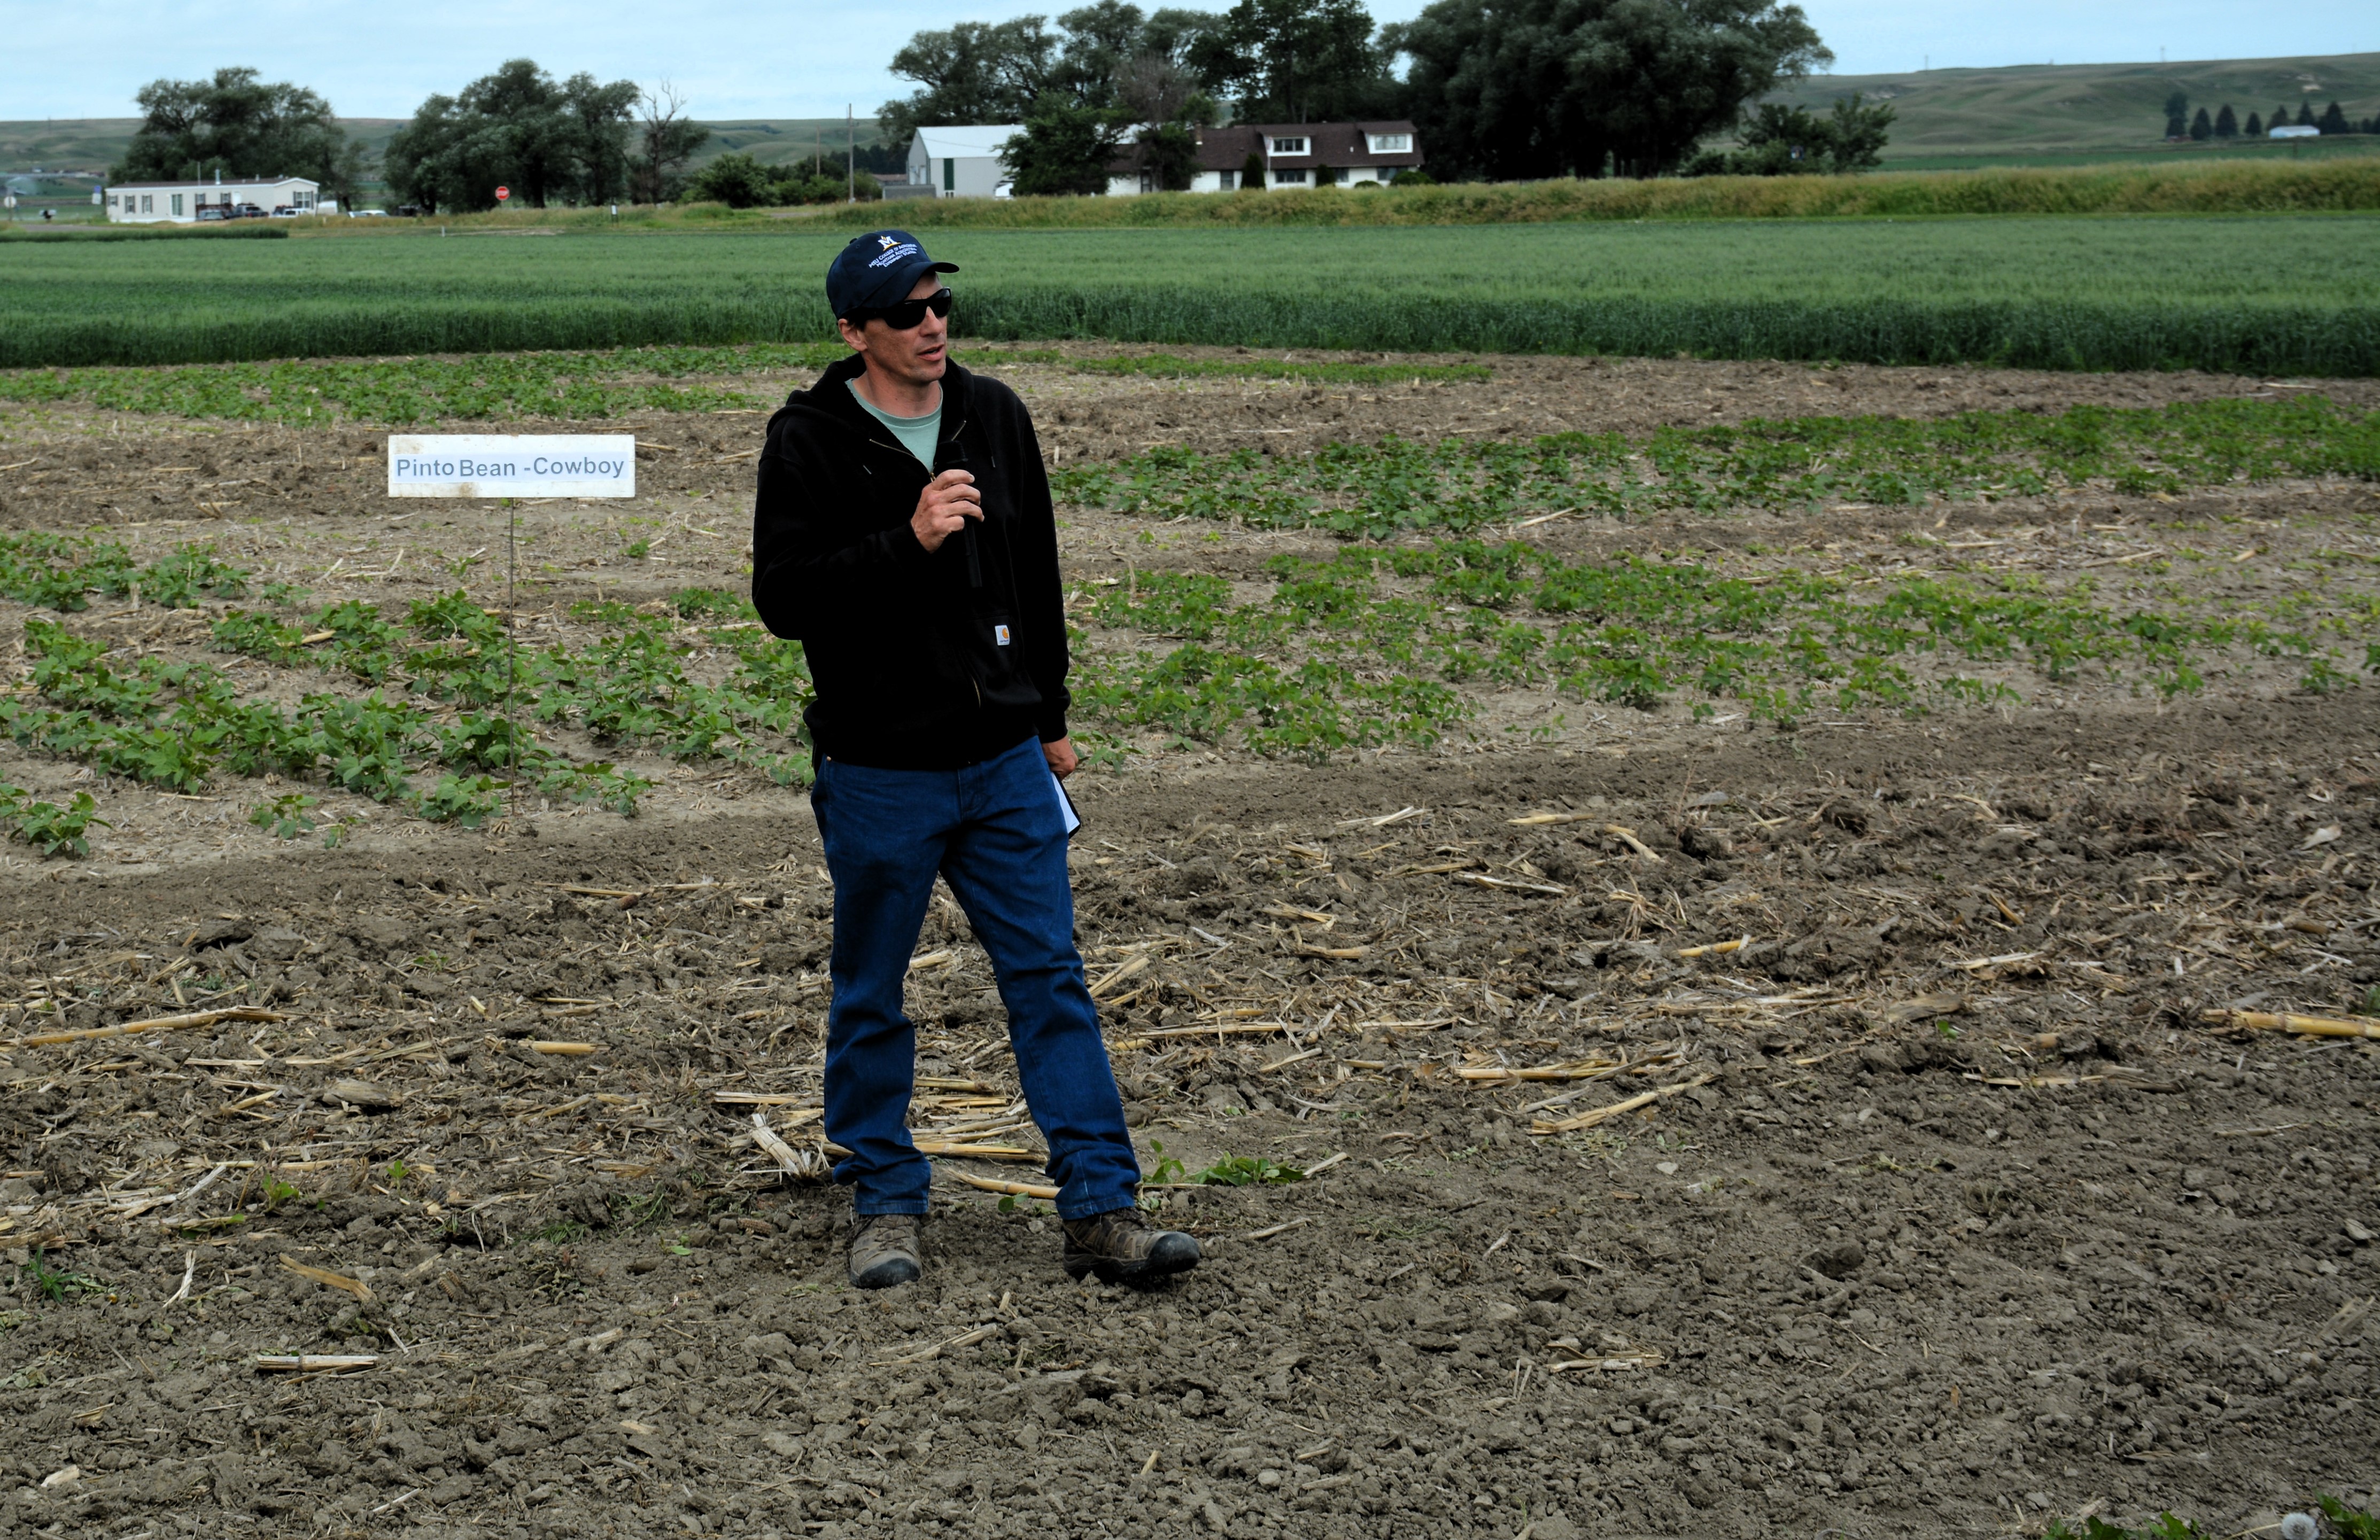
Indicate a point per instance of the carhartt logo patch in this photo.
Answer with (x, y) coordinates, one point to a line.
(1000, 634)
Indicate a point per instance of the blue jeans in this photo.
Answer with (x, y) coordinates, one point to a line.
(993, 831)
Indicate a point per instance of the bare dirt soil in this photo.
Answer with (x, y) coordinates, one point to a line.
(1949, 1208)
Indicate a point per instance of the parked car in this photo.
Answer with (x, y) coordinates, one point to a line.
(367, 213)
(249, 210)
(284, 211)
(213, 211)
(407, 210)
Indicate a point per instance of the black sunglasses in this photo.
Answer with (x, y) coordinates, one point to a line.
(908, 314)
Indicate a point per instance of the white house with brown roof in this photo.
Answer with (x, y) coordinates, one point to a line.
(1289, 156)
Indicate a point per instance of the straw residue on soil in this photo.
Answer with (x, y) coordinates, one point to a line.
(1960, 1210)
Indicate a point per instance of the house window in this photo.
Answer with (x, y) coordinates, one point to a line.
(949, 174)
(178, 205)
(1390, 144)
(1289, 146)
(1227, 180)
(1283, 178)
(148, 205)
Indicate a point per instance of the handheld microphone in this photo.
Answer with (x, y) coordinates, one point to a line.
(954, 456)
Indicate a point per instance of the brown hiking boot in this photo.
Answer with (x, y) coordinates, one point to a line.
(1121, 1246)
(884, 1249)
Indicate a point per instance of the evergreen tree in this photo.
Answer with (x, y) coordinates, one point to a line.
(2226, 126)
(2280, 119)
(2177, 114)
(2305, 116)
(1251, 171)
(2256, 128)
(2202, 127)
(2334, 121)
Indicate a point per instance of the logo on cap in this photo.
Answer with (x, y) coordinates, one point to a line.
(886, 241)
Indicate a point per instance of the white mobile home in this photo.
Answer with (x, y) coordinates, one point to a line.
(179, 203)
(962, 161)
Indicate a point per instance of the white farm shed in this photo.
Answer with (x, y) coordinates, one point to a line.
(179, 203)
(962, 161)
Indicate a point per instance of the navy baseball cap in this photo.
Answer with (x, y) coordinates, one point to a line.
(877, 269)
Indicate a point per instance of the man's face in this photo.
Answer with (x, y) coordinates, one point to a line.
(918, 356)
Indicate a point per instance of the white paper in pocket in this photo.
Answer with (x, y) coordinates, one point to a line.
(1066, 813)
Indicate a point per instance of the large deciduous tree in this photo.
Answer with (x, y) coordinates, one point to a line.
(1295, 61)
(239, 125)
(976, 72)
(1520, 88)
(1065, 147)
(549, 141)
(1110, 75)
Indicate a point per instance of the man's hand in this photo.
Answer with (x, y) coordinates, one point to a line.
(1060, 752)
(944, 508)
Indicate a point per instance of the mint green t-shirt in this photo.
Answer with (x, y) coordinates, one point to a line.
(919, 435)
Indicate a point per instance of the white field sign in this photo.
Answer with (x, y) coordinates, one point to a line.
(529, 465)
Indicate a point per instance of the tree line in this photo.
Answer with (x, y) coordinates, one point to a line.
(578, 140)
(1501, 90)
(2225, 123)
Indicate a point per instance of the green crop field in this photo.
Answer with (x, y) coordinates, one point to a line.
(2277, 293)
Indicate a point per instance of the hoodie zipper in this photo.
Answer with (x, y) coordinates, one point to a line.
(974, 565)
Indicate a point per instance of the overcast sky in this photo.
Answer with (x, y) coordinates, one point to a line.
(374, 59)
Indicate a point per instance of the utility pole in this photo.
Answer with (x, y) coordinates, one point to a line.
(850, 154)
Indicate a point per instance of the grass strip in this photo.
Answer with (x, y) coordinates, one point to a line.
(2216, 188)
(99, 233)
(1378, 492)
(582, 385)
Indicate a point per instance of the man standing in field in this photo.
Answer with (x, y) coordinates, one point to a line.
(903, 534)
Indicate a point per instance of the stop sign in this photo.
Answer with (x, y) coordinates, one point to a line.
(503, 193)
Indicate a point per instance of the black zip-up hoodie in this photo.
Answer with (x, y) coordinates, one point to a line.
(922, 660)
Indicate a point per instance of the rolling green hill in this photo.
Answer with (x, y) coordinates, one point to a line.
(1951, 116)
(96, 143)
